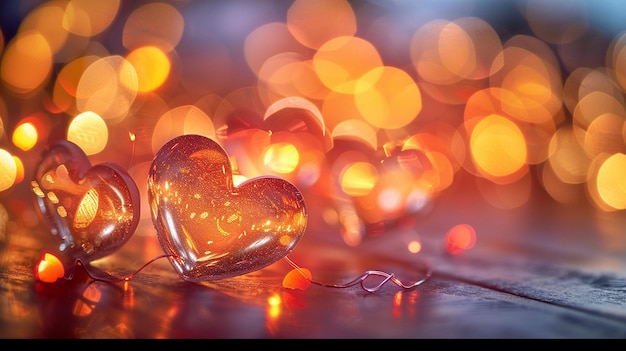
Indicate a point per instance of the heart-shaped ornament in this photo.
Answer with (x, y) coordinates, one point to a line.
(91, 210)
(210, 228)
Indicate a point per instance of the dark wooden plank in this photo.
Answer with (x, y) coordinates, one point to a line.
(569, 256)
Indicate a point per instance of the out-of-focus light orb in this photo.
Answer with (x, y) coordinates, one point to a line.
(47, 19)
(267, 41)
(424, 50)
(441, 176)
(310, 24)
(414, 246)
(26, 62)
(596, 103)
(157, 24)
(281, 157)
(352, 227)
(498, 146)
(616, 58)
(108, 87)
(88, 17)
(337, 108)
(25, 136)
(610, 183)
(19, 170)
(184, 119)
(89, 131)
(568, 159)
(8, 170)
(67, 80)
(468, 47)
(417, 199)
(460, 238)
(152, 67)
(390, 200)
(274, 300)
(341, 62)
(557, 22)
(604, 135)
(388, 97)
(359, 178)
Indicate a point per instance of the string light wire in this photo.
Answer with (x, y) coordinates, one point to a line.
(387, 277)
(367, 274)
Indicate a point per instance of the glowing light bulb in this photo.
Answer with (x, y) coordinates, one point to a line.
(299, 279)
(49, 268)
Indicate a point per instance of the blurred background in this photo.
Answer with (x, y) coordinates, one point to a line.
(373, 109)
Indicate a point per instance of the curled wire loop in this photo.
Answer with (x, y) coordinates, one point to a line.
(368, 274)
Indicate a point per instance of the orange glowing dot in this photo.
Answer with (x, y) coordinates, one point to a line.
(297, 279)
(359, 178)
(152, 66)
(131, 136)
(282, 157)
(387, 97)
(498, 146)
(49, 268)
(460, 238)
(414, 246)
(25, 136)
(274, 300)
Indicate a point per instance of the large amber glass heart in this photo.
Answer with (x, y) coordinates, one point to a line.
(211, 228)
(91, 210)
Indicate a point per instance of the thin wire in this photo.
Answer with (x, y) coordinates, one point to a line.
(361, 279)
(125, 278)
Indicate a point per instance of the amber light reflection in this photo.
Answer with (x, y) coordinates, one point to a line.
(378, 108)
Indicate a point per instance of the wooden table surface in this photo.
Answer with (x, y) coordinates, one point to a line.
(540, 271)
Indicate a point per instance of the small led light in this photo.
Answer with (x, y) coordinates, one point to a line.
(49, 268)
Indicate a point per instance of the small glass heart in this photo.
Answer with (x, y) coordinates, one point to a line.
(211, 228)
(91, 210)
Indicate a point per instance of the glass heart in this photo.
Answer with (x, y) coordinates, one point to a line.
(92, 211)
(211, 228)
